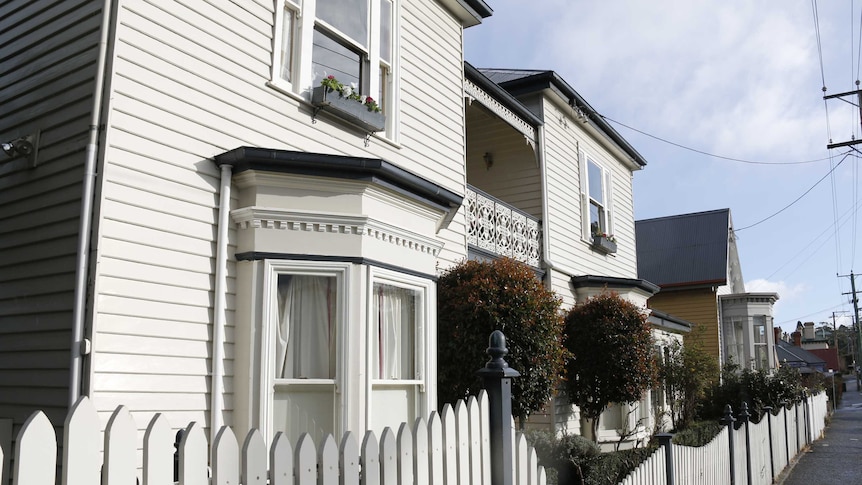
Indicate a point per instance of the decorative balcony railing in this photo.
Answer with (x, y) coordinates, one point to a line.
(494, 226)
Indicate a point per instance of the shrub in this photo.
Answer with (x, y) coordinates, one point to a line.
(612, 468)
(611, 361)
(687, 373)
(474, 299)
(566, 459)
(698, 433)
(757, 388)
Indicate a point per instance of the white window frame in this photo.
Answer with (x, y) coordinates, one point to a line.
(305, 19)
(584, 161)
(272, 269)
(424, 358)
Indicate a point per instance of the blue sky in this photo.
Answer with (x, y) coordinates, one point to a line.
(734, 78)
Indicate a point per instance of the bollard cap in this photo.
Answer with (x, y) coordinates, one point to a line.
(497, 366)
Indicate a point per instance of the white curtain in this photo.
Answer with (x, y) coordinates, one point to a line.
(393, 346)
(305, 344)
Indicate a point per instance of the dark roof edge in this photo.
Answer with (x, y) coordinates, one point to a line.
(613, 281)
(338, 166)
(479, 7)
(669, 321)
(690, 214)
(550, 79)
(690, 285)
(501, 94)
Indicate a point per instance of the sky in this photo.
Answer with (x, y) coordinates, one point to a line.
(734, 79)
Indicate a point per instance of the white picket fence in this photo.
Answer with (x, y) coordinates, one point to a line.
(450, 448)
(790, 432)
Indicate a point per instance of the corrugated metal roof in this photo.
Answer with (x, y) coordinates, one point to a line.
(795, 356)
(687, 249)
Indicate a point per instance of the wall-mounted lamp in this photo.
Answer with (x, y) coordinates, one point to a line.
(489, 160)
(24, 146)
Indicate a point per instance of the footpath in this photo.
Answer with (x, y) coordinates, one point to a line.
(837, 458)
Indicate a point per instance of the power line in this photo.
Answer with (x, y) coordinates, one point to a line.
(798, 198)
(695, 150)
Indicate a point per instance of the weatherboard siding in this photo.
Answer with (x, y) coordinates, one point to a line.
(698, 306)
(49, 52)
(189, 83)
(564, 136)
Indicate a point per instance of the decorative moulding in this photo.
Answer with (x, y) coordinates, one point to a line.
(337, 224)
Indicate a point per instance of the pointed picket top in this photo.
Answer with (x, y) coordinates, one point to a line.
(36, 452)
(348, 453)
(521, 457)
(225, 463)
(253, 459)
(327, 459)
(388, 457)
(435, 448)
(305, 460)
(280, 461)
(485, 429)
(370, 460)
(121, 449)
(158, 458)
(450, 445)
(193, 456)
(404, 443)
(462, 430)
(420, 451)
(474, 420)
(82, 458)
(532, 465)
(541, 477)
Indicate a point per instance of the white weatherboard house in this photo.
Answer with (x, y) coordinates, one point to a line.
(197, 234)
(550, 184)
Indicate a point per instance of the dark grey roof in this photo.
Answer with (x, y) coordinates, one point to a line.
(797, 356)
(525, 81)
(668, 321)
(684, 250)
(500, 94)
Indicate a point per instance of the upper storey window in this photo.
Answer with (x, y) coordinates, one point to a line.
(352, 40)
(596, 197)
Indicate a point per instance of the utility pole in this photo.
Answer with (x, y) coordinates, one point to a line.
(855, 324)
(858, 104)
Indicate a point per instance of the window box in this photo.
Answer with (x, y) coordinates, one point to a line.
(604, 245)
(347, 109)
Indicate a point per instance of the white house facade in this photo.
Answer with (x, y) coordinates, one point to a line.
(201, 236)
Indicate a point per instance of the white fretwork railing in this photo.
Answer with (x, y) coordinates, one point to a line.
(494, 226)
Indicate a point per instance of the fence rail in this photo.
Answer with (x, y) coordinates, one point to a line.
(752, 454)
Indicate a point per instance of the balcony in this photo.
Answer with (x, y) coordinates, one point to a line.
(500, 229)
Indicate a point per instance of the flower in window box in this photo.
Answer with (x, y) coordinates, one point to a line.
(349, 105)
(604, 243)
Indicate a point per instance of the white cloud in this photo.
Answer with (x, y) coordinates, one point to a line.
(788, 295)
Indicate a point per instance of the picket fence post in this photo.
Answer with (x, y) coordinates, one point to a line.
(497, 380)
(665, 441)
(729, 420)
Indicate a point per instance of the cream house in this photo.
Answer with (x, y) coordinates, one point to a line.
(198, 233)
(550, 184)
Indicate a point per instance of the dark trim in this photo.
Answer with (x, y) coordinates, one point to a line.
(551, 80)
(260, 256)
(693, 285)
(669, 322)
(500, 94)
(590, 281)
(373, 170)
(478, 8)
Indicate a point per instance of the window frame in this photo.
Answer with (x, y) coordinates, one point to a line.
(269, 313)
(371, 64)
(606, 180)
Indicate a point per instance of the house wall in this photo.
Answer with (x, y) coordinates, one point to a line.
(49, 52)
(191, 83)
(698, 306)
(564, 136)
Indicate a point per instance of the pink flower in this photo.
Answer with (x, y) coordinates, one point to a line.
(330, 77)
(369, 99)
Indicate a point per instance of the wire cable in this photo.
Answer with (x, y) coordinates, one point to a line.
(798, 198)
(695, 150)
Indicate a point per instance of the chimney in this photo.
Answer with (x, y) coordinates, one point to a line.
(797, 339)
(776, 334)
(808, 333)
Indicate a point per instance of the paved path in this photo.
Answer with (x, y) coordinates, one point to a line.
(837, 458)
